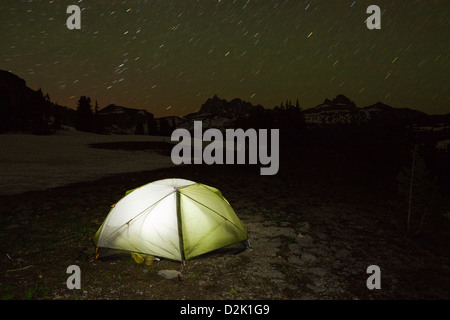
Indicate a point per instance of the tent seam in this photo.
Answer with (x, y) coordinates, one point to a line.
(138, 215)
(213, 211)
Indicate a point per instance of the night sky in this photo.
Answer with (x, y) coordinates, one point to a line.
(169, 56)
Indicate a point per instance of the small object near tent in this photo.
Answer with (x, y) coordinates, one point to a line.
(176, 219)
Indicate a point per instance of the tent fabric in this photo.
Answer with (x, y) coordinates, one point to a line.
(176, 219)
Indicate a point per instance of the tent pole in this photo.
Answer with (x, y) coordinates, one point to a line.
(180, 232)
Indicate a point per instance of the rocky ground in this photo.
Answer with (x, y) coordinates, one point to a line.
(310, 239)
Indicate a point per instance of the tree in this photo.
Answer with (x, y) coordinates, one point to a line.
(57, 121)
(39, 125)
(164, 128)
(139, 128)
(40, 113)
(98, 126)
(152, 127)
(96, 107)
(85, 116)
(418, 191)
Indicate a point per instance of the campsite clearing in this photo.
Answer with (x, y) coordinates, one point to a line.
(306, 244)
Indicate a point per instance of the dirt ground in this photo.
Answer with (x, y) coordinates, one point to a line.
(310, 239)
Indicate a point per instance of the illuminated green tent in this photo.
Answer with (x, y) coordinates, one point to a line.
(175, 219)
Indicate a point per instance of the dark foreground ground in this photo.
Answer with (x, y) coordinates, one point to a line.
(314, 228)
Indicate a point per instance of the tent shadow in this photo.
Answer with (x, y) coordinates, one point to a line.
(233, 249)
(106, 254)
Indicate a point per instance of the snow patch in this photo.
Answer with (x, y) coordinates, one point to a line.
(32, 162)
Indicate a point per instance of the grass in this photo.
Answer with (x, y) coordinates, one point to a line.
(37, 291)
(192, 276)
(6, 292)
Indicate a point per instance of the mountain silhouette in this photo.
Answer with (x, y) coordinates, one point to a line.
(342, 111)
(26, 110)
(123, 120)
(233, 109)
(23, 109)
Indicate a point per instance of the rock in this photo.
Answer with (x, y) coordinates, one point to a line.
(295, 248)
(308, 257)
(294, 259)
(313, 287)
(318, 271)
(305, 227)
(321, 236)
(169, 274)
(342, 254)
(280, 283)
(304, 240)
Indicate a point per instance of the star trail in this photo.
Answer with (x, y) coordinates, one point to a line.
(169, 56)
